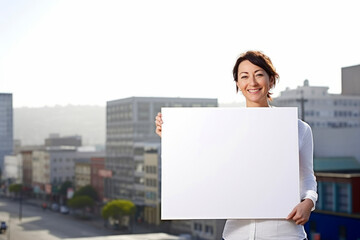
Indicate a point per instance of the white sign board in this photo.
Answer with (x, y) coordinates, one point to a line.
(229, 163)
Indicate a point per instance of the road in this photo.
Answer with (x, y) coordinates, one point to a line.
(45, 224)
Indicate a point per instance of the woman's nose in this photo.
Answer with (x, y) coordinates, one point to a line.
(253, 81)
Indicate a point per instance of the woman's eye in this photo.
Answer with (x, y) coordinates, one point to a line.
(259, 75)
(243, 77)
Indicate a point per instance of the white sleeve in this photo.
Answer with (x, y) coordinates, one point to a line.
(308, 183)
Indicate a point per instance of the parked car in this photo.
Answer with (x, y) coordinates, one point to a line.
(55, 207)
(3, 227)
(64, 209)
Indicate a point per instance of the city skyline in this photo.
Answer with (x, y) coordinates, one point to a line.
(90, 52)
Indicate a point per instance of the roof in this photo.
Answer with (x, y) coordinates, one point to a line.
(337, 164)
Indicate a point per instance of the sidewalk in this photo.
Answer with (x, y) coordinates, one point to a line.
(4, 216)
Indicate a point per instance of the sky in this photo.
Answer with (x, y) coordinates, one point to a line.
(87, 52)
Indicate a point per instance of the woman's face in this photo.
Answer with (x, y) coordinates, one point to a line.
(254, 83)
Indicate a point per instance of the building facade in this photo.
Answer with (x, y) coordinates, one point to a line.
(321, 109)
(128, 122)
(350, 80)
(6, 127)
(97, 178)
(334, 119)
(12, 170)
(40, 170)
(55, 140)
(82, 173)
(152, 179)
(337, 214)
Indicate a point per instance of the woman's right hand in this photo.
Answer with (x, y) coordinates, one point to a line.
(158, 123)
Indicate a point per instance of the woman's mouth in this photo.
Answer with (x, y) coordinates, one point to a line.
(255, 90)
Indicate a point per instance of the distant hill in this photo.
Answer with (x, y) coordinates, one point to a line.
(33, 125)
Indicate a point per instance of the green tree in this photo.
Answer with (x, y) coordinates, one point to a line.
(16, 188)
(87, 191)
(64, 187)
(81, 202)
(118, 209)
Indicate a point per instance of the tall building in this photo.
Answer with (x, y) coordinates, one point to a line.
(6, 127)
(130, 121)
(334, 119)
(350, 80)
(321, 109)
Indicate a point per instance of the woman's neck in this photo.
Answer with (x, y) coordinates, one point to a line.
(253, 104)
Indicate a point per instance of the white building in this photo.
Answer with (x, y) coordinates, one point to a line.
(322, 109)
(13, 168)
(334, 119)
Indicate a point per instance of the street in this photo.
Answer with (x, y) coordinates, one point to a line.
(45, 224)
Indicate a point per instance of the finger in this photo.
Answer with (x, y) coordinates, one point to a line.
(292, 214)
(297, 217)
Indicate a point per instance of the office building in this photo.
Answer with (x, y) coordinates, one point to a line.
(350, 80)
(321, 109)
(131, 121)
(6, 127)
(334, 119)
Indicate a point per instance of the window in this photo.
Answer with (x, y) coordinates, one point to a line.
(343, 198)
(209, 229)
(328, 196)
(198, 227)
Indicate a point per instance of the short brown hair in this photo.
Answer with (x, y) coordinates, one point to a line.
(261, 60)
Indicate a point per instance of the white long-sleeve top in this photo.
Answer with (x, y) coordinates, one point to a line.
(279, 229)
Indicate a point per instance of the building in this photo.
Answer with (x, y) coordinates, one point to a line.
(82, 173)
(337, 214)
(12, 170)
(130, 121)
(321, 109)
(55, 140)
(40, 170)
(334, 119)
(27, 156)
(98, 173)
(6, 127)
(350, 80)
(152, 180)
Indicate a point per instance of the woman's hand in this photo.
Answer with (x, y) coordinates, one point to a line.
(301, 213)
(158, 123)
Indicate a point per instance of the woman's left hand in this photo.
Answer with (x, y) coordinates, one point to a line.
(301, 213)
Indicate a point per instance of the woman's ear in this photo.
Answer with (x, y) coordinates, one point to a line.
(272, 82)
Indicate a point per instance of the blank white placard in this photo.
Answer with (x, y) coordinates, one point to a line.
(229, 163)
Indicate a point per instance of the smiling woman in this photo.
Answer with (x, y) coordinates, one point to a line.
(255, 75)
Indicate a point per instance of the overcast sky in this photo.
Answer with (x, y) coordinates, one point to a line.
(90, 52)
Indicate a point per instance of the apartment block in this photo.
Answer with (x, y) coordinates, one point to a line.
(130, 121)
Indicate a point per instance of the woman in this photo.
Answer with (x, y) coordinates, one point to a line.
(255, 76)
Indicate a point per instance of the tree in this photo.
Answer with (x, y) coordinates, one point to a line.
(87, 191)
(15, 188)
(81, 202)
(64, 187)
(118, 209)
